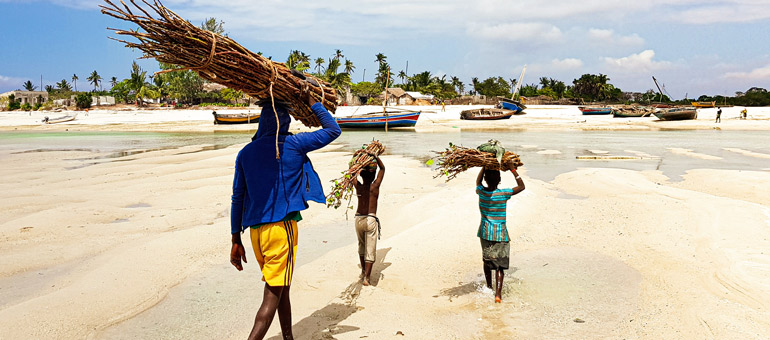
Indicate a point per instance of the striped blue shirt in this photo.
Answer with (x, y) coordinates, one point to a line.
(492, 205)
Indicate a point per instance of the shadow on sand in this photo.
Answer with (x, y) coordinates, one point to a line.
(325, 322)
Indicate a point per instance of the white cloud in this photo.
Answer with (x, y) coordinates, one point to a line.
(725, 12)
(610, 37)
(533, 32)
(761, 73)
(10, 83)
(637, 63)
(566, 64)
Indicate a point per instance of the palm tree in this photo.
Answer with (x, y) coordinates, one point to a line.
(349, 66)
(28, 86)
(137, 82)
(64, 85)
(49, 88)
(338, 54)
(402, 75)
(380, 58)
(75, 81)
(95, 79)
(319, 62)
(113, 81)
(458, 85)
(475, 82)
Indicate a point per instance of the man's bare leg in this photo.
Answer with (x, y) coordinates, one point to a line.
(367, 273)
(363, 265)
(284, 314)
(488, 276)
(266, 312)
(499, 291)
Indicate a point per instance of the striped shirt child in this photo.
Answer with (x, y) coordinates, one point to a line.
(492, 205)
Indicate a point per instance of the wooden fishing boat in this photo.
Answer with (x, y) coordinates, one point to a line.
(682, 113)
(662, 106)
(510, 104)
(595, 110)
(235, 118)
(632, 112)
(704, 104)
(486, 114)
(61, 119)
(378, 119)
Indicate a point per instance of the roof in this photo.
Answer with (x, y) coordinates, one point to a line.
(418, 95)
(396, 92)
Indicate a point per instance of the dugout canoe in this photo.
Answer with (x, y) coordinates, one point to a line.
(683, 113)
(595, 110)
(486, 114)
(235, 118)
(376, 120)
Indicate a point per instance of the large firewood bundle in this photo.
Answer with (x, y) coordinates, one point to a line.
(456, 159)
(168, 38)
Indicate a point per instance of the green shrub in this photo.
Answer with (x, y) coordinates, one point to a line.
(37, 106)
(83, 100)
(26, 107)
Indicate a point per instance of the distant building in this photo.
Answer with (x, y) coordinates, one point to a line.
(28, 97)
(397, 96)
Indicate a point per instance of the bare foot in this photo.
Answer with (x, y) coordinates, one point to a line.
(366, 282)
(498, 299)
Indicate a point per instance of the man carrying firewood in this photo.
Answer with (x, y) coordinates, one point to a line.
(273, 182)
(493, 232)
(367, 223)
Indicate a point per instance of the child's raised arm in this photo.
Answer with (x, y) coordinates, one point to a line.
(519, 183)
(480, 176)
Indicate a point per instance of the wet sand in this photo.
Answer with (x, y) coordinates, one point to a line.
(136, 247)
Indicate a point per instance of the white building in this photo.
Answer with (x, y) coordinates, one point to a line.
(28, 97)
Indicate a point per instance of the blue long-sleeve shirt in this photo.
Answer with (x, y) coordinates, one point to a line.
(265, 189)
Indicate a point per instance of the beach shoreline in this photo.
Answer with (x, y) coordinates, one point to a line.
(124, 245)
(537, 117)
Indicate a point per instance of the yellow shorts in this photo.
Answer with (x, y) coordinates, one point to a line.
(275, 246)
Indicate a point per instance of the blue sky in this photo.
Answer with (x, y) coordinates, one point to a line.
(693, 47)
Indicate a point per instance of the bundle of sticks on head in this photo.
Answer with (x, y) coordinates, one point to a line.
(342, 189)
(456, 159)
(169, 38)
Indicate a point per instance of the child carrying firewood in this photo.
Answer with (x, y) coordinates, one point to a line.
(367, 223)
(493, 231)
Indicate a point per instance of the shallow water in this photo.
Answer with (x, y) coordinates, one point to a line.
(545, 154)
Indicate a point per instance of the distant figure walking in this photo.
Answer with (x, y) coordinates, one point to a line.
(367, 223)
(443, 106)
(744, 113)
(493, 232)
(719, 115)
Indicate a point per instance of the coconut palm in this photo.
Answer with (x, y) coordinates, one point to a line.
(338, 54)
(298, 60)
(75, 81)
(319, 62)
(113, 81)
(95, 79)
(402, 75)
(28, 86)
(349, 67)
(49, 88)
(380, 58)
(458, 85)
(138, 83)
(64, 85)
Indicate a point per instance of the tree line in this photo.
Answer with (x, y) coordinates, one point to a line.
(187, 87)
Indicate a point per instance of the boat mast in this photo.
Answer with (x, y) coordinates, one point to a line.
(518, 82)
(659, 91)
(384, 110)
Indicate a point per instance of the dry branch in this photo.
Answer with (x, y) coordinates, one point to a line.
(342, 189)
(457, 159)
(169, 38)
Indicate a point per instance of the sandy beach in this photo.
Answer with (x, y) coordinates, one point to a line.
(132, 242)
